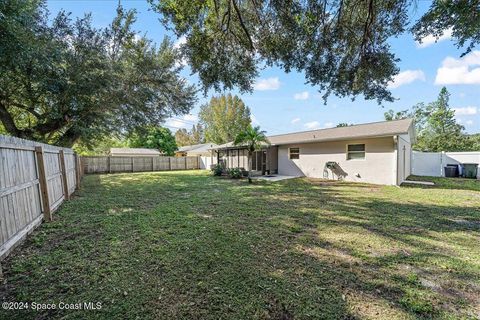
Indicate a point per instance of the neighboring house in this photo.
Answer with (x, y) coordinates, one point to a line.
(204, 151)
(133, 152)
(377, 152)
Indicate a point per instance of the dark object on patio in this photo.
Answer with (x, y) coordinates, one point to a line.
(470, 170)
(450, 172)
(457, 170)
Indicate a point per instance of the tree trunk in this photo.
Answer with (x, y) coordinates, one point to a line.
(8, 122)
(249, 167)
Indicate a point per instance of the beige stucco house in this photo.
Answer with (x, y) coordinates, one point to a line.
(203, 151)
(377, 152)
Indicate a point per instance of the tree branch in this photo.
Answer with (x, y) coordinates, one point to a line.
(242, 24)
(8, 121)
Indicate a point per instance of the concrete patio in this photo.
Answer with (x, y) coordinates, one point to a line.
(274, 177)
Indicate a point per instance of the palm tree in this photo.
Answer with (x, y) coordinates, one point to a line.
(252, 138)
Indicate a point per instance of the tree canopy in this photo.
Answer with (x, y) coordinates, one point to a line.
(62, 81)
(341, 46)
(436, 126)
(223, 118)
(195, 136)
(158, 138)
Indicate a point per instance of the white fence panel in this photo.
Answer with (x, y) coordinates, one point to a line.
(432, 163)
(207, 161)
(427, 164)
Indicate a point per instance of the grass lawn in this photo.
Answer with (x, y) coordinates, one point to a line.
(185, 245)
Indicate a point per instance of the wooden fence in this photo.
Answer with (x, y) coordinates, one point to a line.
(35, 179)
(107, 164)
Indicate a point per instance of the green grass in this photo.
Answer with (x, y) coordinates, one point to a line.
(185, 245)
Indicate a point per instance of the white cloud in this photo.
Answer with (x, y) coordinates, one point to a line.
(466, 111)
(469, 122)
(459, 71)
(178, 45)
(301, 95)
(296, 120)
(267, 84)
(328, 124)
(405, 77)
(312, 125)
(180, 42)
(186, 121)
(254, 120)
(429, 40)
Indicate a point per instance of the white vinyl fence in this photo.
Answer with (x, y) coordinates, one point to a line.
(206, 162)
(433, 163)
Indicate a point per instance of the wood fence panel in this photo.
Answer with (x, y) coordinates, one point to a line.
(54, 179)
(71, 175)
(119, 164)
(96, 165)
(106, 164)
(178, 163)
(21, 208)
(142, 164)
(161, 163)
(192, 162)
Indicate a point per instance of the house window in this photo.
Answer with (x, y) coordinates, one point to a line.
(356, 151)
(294, 153)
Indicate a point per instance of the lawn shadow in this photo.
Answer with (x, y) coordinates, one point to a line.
(182, 245)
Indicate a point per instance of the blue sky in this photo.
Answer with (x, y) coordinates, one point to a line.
(283, 103)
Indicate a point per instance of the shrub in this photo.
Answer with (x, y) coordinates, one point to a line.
(235, 173)
(217, 170)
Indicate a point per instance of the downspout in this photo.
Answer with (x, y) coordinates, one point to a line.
(395, 150)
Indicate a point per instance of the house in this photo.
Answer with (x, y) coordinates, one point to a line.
(377, 152)
(204, 151)
(133, 152)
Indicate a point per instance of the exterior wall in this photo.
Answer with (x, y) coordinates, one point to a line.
(379, 165)
(404, 155)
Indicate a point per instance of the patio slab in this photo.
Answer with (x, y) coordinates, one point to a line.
(274, 177)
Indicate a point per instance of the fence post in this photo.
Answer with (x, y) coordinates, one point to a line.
(153, 160)
(109, 165)
(132, 164)
(63, 169)
(169, 164)
(42, 178)
(186, 162)
(78, 171)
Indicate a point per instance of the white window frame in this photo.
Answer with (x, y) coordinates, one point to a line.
(296, 153)
(347, 153)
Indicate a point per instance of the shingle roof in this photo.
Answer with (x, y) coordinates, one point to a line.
(375, 129)
(197, 147)
(366, 130)
(134, 151)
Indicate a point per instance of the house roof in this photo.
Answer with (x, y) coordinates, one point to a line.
(134, 151)
(197, 148)
(366, 130)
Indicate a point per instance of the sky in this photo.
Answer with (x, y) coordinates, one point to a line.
(282, 102)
